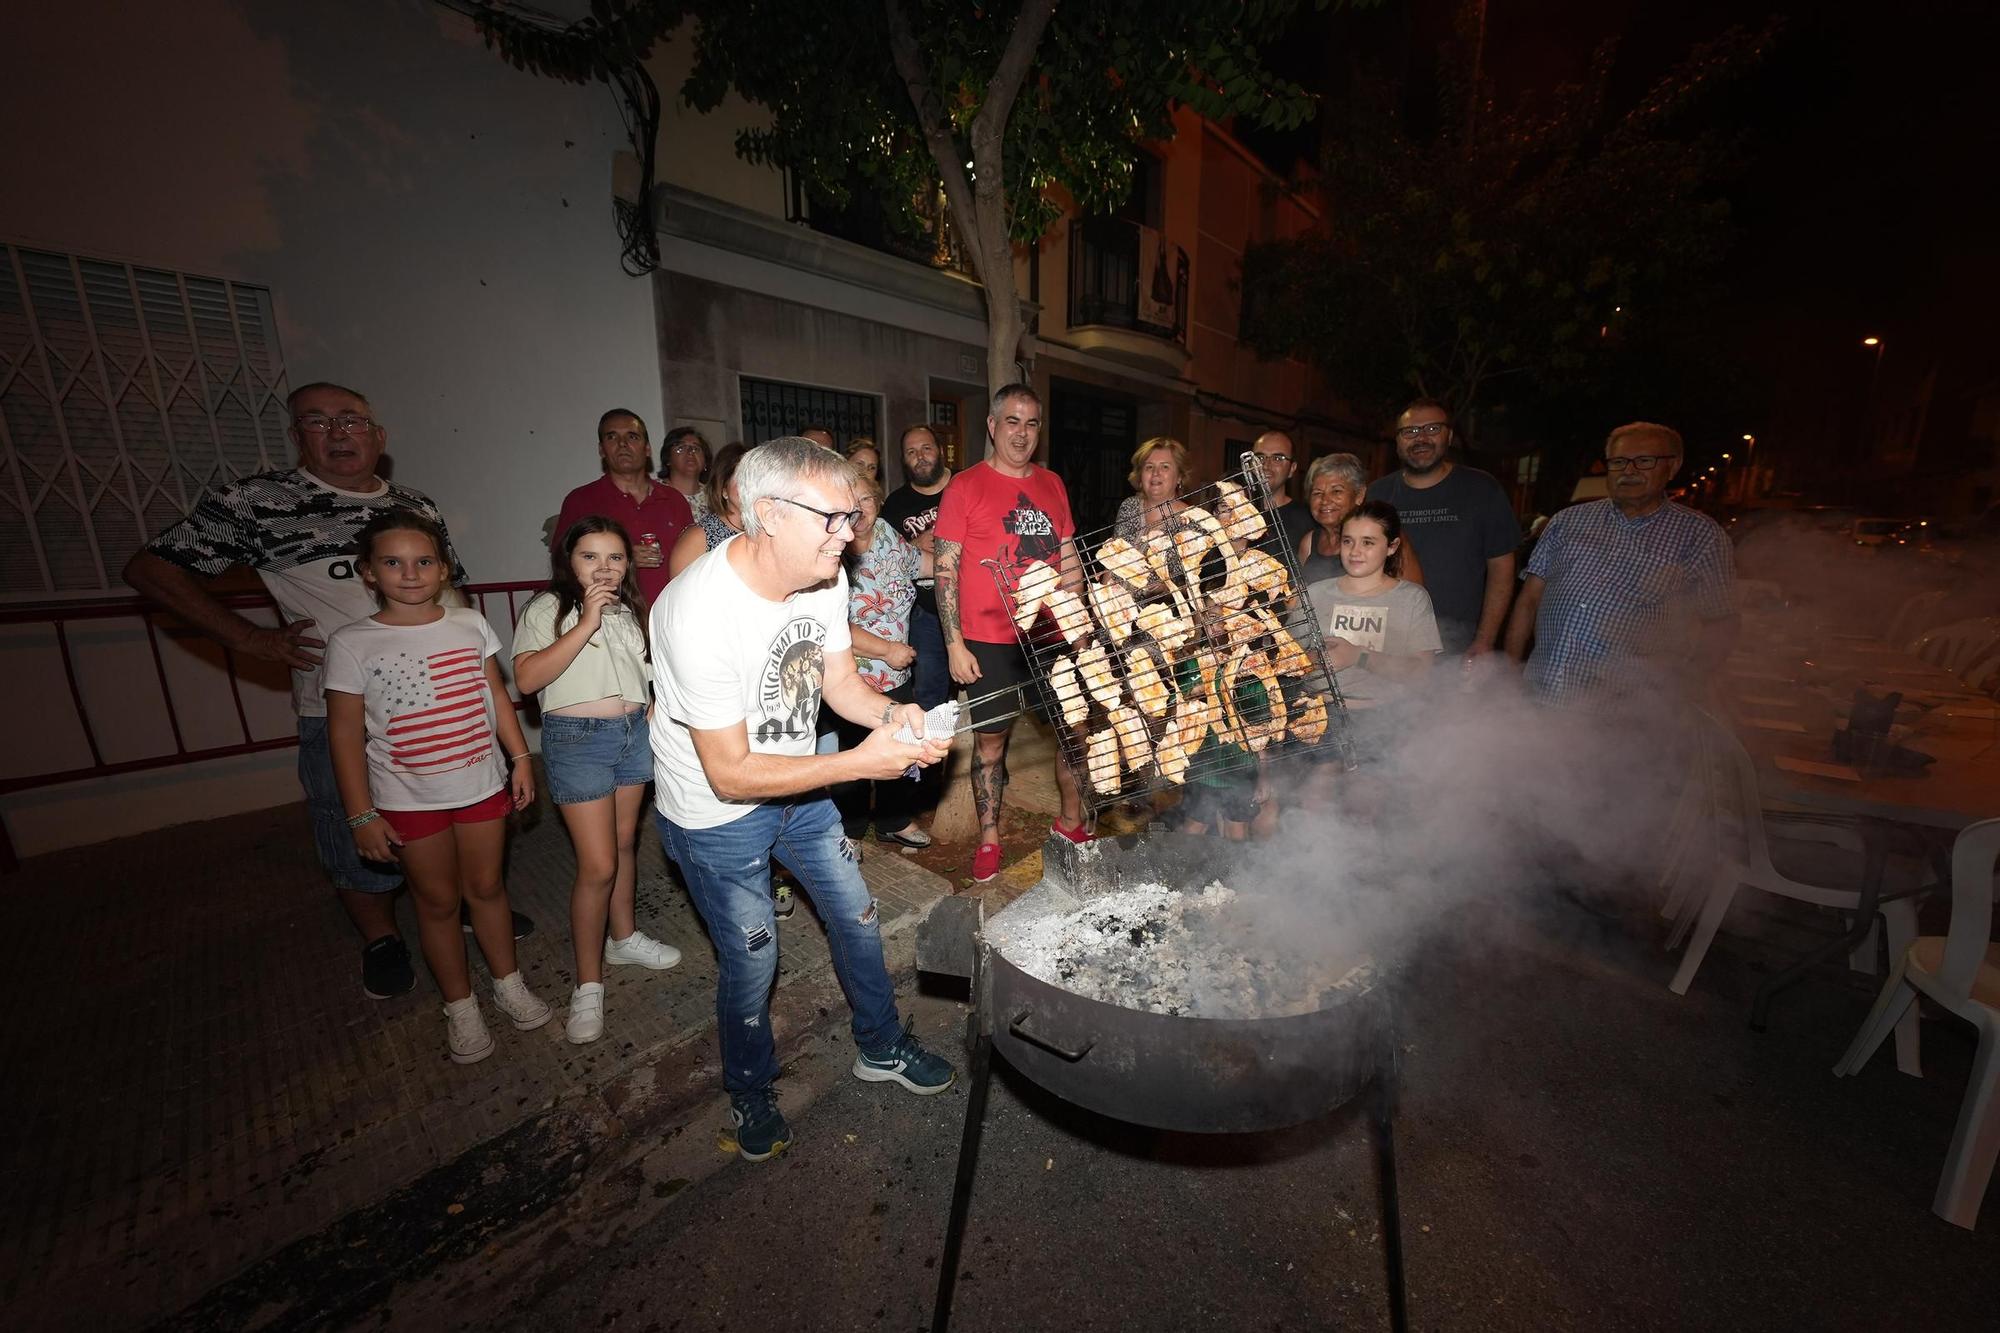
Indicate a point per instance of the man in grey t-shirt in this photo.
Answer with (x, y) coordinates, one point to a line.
(1461, 523)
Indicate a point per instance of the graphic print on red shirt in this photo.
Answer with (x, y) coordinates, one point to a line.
(438, 711)
(1011, 522)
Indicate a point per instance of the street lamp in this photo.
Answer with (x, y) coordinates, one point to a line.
(1871, 342)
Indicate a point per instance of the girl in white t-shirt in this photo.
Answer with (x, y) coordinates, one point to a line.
(430, 759)
(581, 646)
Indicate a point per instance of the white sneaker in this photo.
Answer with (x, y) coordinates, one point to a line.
(586, 1013)
(642, 949)
(522, 1008)
(465, 1030)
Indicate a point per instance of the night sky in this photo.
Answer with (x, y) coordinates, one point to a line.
(1867, 203)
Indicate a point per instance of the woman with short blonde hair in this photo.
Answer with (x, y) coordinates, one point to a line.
(1159, 473)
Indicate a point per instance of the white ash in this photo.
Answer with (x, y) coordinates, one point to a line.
(1166, 951)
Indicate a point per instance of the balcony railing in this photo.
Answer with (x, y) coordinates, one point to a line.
(177, 686)
(1126, 276)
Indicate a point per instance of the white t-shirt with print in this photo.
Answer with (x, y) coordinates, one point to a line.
(723, 655)
(432, 742)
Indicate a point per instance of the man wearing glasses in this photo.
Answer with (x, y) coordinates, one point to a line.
(1460, 520)
(296, 528)
(652, 513)
(749, 640)
(1626, 594)
(1287, 518)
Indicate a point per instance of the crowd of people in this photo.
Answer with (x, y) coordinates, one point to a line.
(757, 634)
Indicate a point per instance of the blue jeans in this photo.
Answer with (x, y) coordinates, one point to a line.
(933, 668)
(332, 839)
(728, 873)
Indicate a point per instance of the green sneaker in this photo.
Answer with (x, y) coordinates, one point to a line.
(905, 1061)
(761, 1131)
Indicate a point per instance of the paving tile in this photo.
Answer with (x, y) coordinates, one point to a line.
(223, 1087)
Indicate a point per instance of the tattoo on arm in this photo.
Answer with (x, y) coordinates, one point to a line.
(947, 559)
(989, 780)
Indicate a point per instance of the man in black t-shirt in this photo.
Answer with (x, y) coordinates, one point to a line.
(1288, 520)
(912, 510)
(1461, 523)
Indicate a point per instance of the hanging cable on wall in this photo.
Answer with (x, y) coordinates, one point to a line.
(609, 45)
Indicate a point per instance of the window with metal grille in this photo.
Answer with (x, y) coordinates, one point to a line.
(772, 408)
(125, 392)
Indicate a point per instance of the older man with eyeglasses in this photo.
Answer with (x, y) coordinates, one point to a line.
(1462, 521)
(749, 640)
(296, 528)
(1628, 596)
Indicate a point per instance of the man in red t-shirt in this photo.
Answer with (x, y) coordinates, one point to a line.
(651, 514)
(1009, 512)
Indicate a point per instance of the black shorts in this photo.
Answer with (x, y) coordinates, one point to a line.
(1003, 674)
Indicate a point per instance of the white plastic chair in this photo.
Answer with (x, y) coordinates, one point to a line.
(1913, 618)
(1960, 644)
(1961, 973)
(1983, 676)
(1739, 848)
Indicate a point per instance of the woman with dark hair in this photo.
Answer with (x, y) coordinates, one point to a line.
(1381, 635)
(684, 464)
(581, 646)
(720, 516)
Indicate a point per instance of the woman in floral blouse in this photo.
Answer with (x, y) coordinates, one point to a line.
(882, 573)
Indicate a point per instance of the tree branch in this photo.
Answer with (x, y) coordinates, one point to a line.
(1008, 75)
(936, 127)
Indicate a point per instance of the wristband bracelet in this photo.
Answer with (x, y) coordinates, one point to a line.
(365, 817)
(516, 758)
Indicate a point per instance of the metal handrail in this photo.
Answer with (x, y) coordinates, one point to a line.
(58, 615)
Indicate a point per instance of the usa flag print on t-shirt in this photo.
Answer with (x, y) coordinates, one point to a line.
(437, 718)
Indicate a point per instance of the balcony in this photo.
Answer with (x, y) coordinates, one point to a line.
(1128, 293)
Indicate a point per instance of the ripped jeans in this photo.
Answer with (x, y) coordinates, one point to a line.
(728, 873)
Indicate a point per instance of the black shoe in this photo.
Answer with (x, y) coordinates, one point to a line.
(524, 926)
(385, 969)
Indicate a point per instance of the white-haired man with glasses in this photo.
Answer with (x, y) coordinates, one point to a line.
(749, 640)
(296, 528)
(1462, 521)
(1629, 594)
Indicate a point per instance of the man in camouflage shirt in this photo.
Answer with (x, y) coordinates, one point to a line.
(296, 528)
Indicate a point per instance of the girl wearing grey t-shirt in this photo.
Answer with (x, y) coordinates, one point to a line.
(1381, 636)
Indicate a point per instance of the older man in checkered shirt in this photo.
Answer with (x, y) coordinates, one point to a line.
(1627, 596)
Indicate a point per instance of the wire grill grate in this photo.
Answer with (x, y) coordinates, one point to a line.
(1182, 654)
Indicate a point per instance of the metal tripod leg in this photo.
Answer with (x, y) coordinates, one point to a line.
(968, 1164)
(1383, 1115)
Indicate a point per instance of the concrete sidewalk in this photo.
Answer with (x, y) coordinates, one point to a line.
(194, 1079)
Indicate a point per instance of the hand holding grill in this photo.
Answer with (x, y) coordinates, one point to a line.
(885, 755)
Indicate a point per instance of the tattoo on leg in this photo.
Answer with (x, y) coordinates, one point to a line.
(989, 781)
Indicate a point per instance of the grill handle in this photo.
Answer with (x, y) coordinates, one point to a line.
(1018, 1028)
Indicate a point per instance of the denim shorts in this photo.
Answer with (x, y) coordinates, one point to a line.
(588, 758)
(332, 839)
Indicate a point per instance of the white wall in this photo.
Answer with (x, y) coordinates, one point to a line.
(434, 225)
(435, 228)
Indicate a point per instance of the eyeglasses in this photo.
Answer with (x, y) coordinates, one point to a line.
(835, 518)
(685, 448)
(1643, 462)
(1430, 430)
(1274, 458)
(350, 424)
